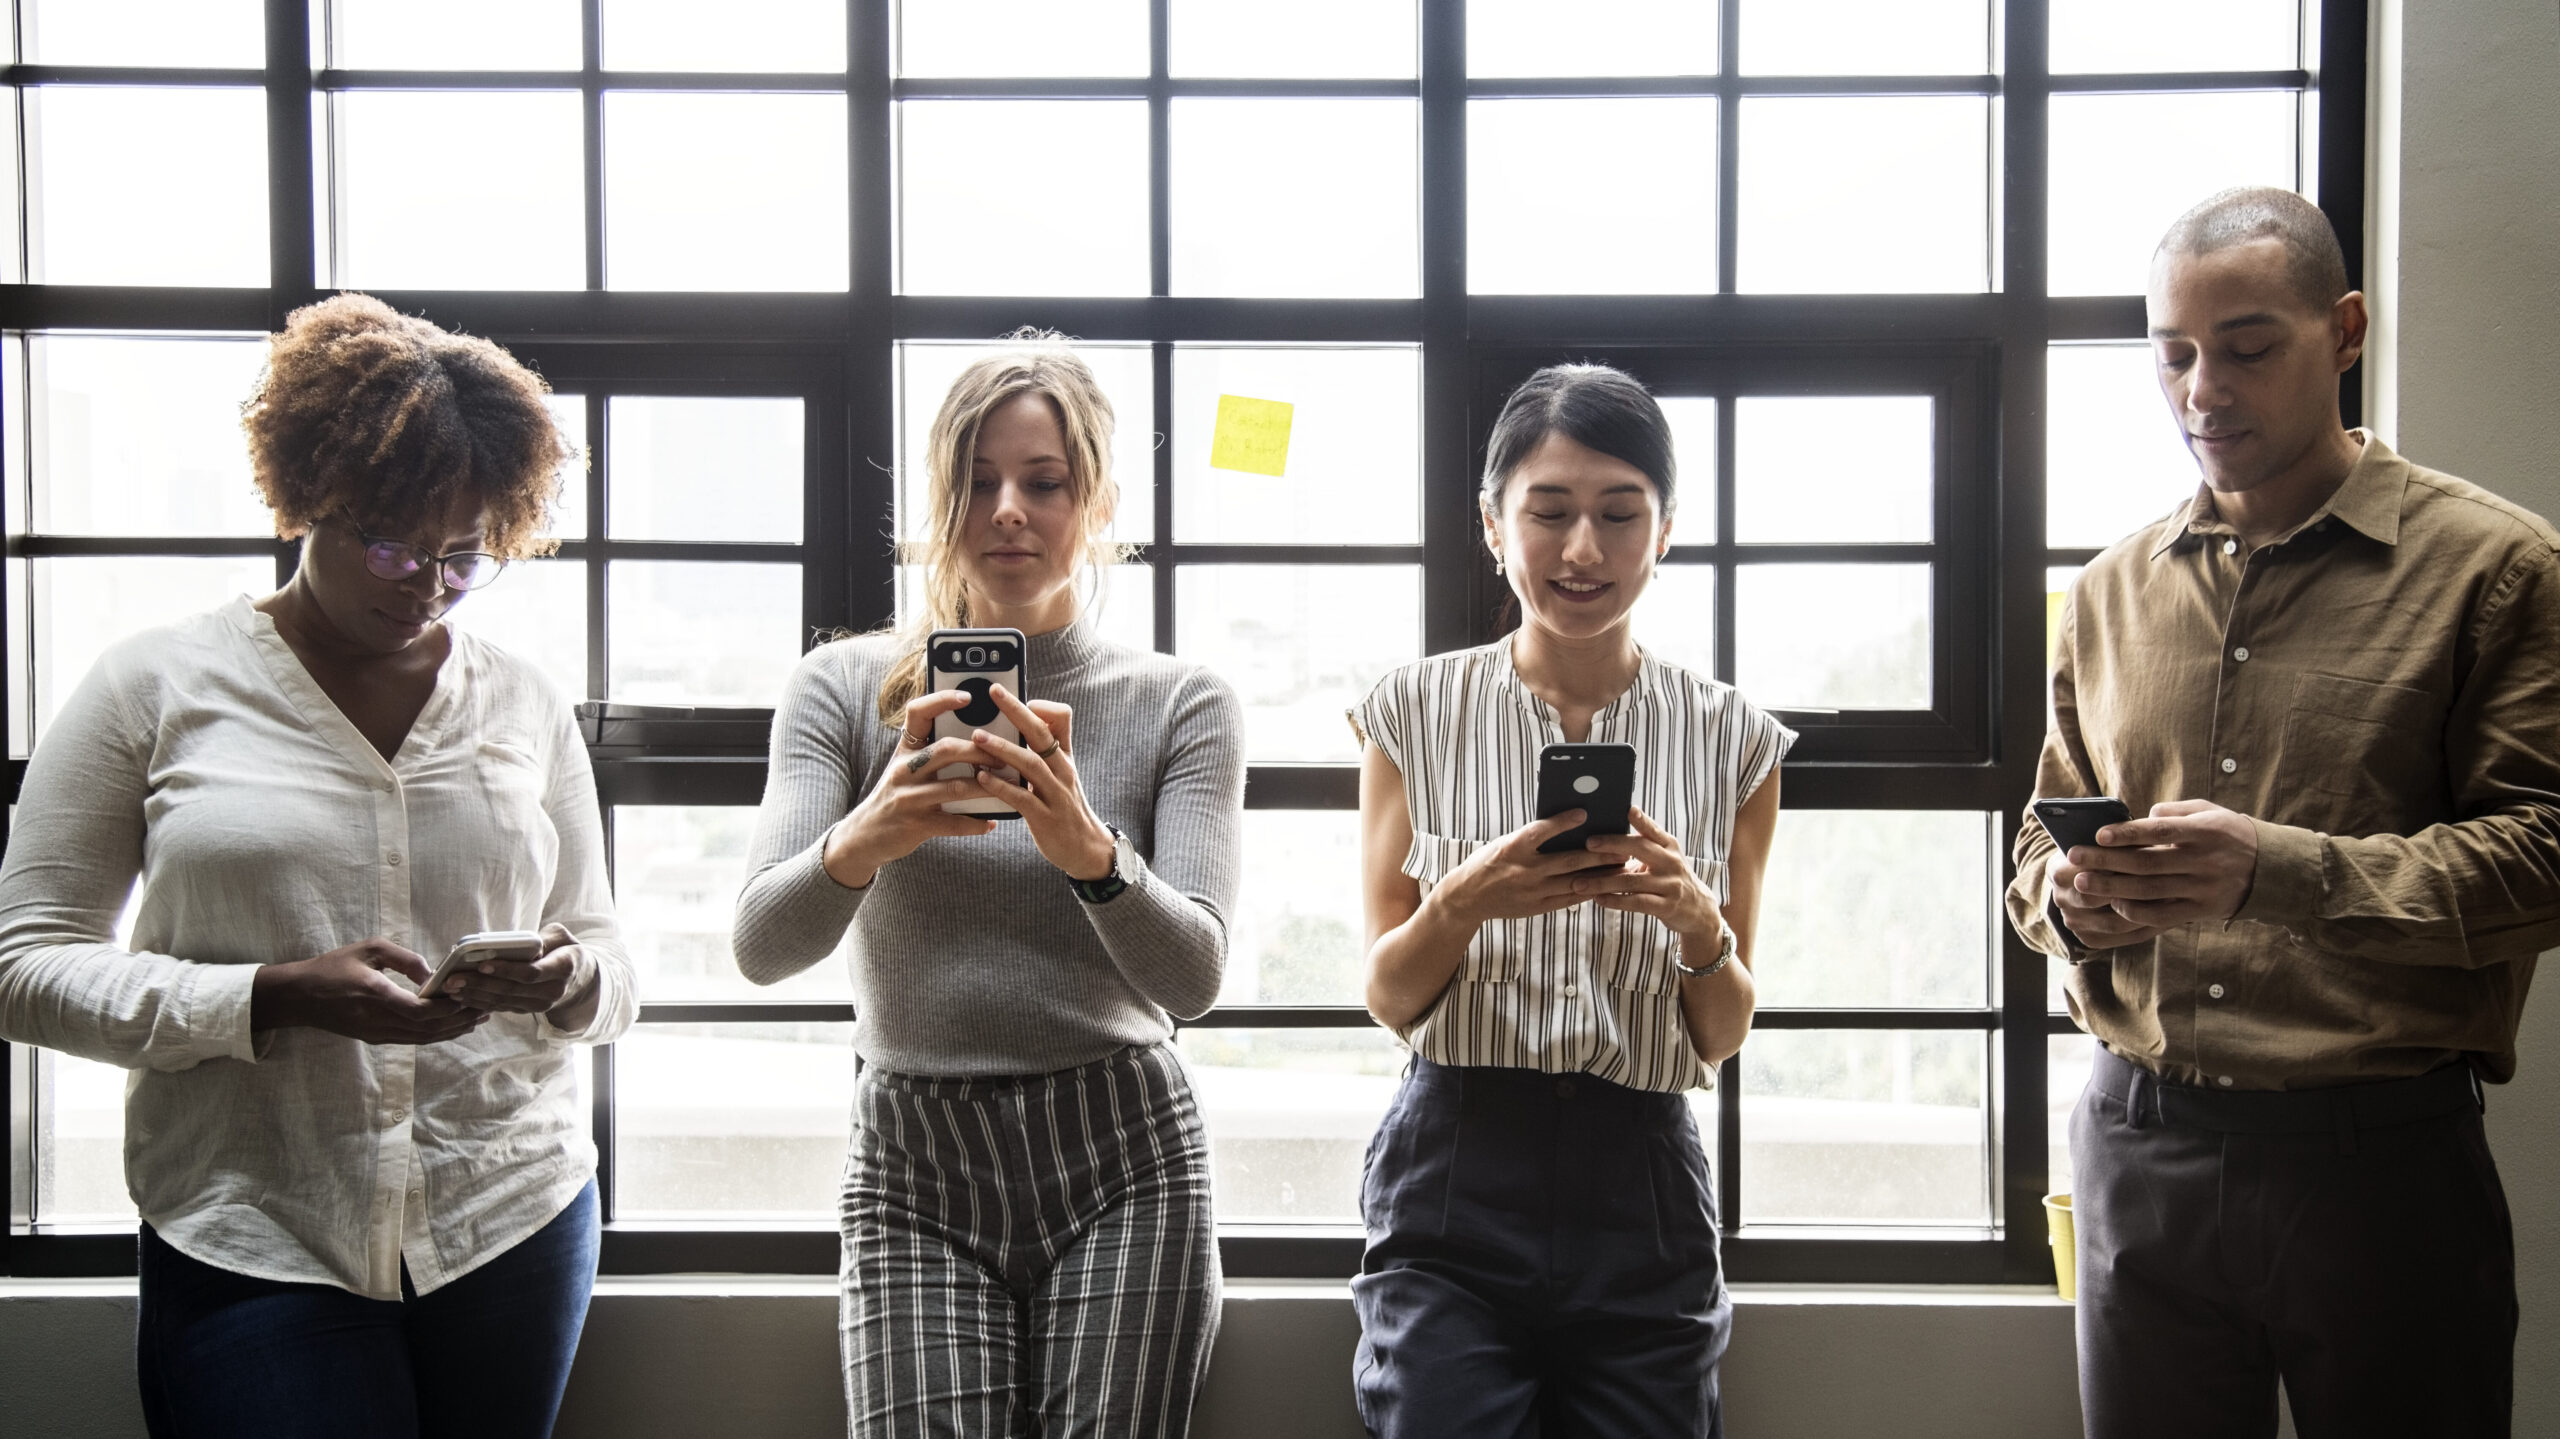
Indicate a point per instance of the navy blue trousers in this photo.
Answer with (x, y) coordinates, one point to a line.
(1541, 1262)
(227, 1356)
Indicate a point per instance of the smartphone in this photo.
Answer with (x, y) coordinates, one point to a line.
(1599, 780)
(973, 662)
(2075, 822)
(521, 945)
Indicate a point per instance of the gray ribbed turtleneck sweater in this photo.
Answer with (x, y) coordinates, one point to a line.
(971, 956)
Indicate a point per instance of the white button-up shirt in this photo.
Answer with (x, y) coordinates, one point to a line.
(1580, 989)
(204, 759)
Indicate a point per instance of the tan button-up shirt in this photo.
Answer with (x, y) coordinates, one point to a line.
(2379, 689)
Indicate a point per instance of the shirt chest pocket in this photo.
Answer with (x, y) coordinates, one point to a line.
(2366, 757)
(512, 784)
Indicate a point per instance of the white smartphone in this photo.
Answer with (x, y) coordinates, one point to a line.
(973, 661)
(521, 945)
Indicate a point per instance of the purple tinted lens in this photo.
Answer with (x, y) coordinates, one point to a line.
(391, 559)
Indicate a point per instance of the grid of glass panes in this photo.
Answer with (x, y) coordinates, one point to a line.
(1252, 210)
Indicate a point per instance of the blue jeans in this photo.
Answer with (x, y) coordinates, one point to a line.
(222, 1355)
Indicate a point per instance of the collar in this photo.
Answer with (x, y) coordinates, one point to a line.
(1649, 686)
(1061, 651)
(2367, 501)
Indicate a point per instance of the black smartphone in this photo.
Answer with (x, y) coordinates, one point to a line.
(973, 662)
(2075, 822)
(1598, 779)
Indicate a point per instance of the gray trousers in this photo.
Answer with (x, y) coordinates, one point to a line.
(1028, 1256)
(2352, 1242)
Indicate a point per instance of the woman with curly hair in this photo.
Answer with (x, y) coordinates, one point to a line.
(365, 1211)
(1028, 1245)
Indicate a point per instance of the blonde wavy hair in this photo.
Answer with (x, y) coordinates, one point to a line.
(1036, 362)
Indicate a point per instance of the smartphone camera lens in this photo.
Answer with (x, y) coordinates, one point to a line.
(977, 655)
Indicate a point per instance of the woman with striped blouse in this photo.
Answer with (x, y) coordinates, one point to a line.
(1542, 1232)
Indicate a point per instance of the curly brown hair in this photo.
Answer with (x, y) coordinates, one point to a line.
(366, 413)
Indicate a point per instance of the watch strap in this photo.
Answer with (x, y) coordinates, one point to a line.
(1107, 888)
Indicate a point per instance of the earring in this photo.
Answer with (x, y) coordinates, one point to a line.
(1497, 562)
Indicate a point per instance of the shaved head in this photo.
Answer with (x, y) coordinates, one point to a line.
(2315, 267)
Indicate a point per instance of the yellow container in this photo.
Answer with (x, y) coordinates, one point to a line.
(2066, 1253)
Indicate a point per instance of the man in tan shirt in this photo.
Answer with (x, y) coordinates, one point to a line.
(2329, 686)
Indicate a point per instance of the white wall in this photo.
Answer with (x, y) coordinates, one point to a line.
(2469, 383)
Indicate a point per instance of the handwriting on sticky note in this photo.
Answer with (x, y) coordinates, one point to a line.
(1252, 435)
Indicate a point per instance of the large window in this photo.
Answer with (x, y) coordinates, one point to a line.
(1880, 257)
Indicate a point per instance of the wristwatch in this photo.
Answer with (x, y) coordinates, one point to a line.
(1124, 863)
(1725, 943)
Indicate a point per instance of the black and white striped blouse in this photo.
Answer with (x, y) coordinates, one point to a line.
(1584, 989)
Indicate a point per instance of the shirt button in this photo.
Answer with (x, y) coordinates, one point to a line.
(393, 858)
(2241, 654)
(398, 1115)
(2224, 1081)
(2231, 547)
(2215, 991)
(419, 1196)
(2228, 766)
(1570, 991)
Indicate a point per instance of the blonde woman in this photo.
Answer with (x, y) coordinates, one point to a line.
(1028, 1242)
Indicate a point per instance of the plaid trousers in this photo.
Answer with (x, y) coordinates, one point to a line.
(1030, 1255)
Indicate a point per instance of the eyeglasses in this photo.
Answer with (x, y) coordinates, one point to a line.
(463, 570)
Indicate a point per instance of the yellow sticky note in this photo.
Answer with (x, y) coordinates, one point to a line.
(1252, 435)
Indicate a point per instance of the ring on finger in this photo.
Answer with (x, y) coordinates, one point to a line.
(1054, 744)
(909, 741)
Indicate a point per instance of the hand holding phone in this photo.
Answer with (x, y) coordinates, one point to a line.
(2076, 822)
(522, 946)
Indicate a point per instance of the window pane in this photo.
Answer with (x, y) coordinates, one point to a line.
(1022, 37)
(1876, 908)
(1057, 229)
(1301, 644)
(195, 33)
(81, 605)
(1835, 469)
(455, 35)
(773, 35)
(2068, 1059)
(2113, 458)
(1539, 171)
(2113, 199)
(1865, 1127)
(1296, 198)
(1865, 37)
(569, 507)
(537, 611)
(1833, 636)
(1298, 930)
(1868, 195)
(114, 172)
(13, 171)
(142, 436)
(686, 468)
(677, 870)
(697, 633)
(1595, 37)
(415, 190)
(1693, 448)
(1676, 616)
(725, 192)
(80, 1142)
(1290, 1112)
(731, 1121)
(1346, 449)
(2101, 35)
(1320, 39)
(926, 370)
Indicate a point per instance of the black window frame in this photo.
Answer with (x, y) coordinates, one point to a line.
(1982, 355)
